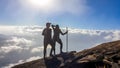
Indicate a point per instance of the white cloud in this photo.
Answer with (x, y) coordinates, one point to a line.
(8, 49)
(20, 30)
(85, 31)
(11, 65)
(108, 37)
(15, 44)
(1, 57)
(6, 30)
(33, 58)
(39, 49)
(22, 42)
(115, 35)
(22, 61)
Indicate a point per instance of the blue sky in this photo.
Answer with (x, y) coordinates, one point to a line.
(83, 14)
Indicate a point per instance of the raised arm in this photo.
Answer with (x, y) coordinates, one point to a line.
(63, 33)
(53, 27)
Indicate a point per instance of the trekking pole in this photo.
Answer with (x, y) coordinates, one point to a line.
(67, 40)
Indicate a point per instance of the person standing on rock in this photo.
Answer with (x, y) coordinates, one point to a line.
(56, 36)
(47, 32)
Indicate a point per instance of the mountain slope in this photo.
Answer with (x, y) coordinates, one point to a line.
(102, 55)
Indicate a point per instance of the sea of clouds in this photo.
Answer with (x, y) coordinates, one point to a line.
(19, 44)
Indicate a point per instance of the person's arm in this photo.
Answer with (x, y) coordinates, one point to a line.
(43, 33)
(63, 33)
(53, 27)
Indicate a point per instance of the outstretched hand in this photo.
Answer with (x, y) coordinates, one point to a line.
(66, 32)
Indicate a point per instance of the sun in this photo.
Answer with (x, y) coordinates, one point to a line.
(40, 3)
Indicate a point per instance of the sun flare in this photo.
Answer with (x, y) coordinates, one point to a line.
(41, 3)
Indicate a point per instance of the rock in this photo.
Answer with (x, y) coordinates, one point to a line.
(50, 62)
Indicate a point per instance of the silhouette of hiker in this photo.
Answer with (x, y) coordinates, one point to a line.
(47, 32)
(56, 36)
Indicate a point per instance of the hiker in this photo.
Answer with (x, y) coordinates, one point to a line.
(47, 32)
(56, 36)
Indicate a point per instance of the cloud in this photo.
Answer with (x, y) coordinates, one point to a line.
(6, 30)
(1, 57)
(22, 42)
(3, 39)
(33, 58)
(15, 44)
(9, 49)
(85, 31)
(11, 65)
(19, 41)
(22, 61)
(115, 35)
(84, 38)
(38, 49)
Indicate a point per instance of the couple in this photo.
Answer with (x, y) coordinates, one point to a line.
(47, 33)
